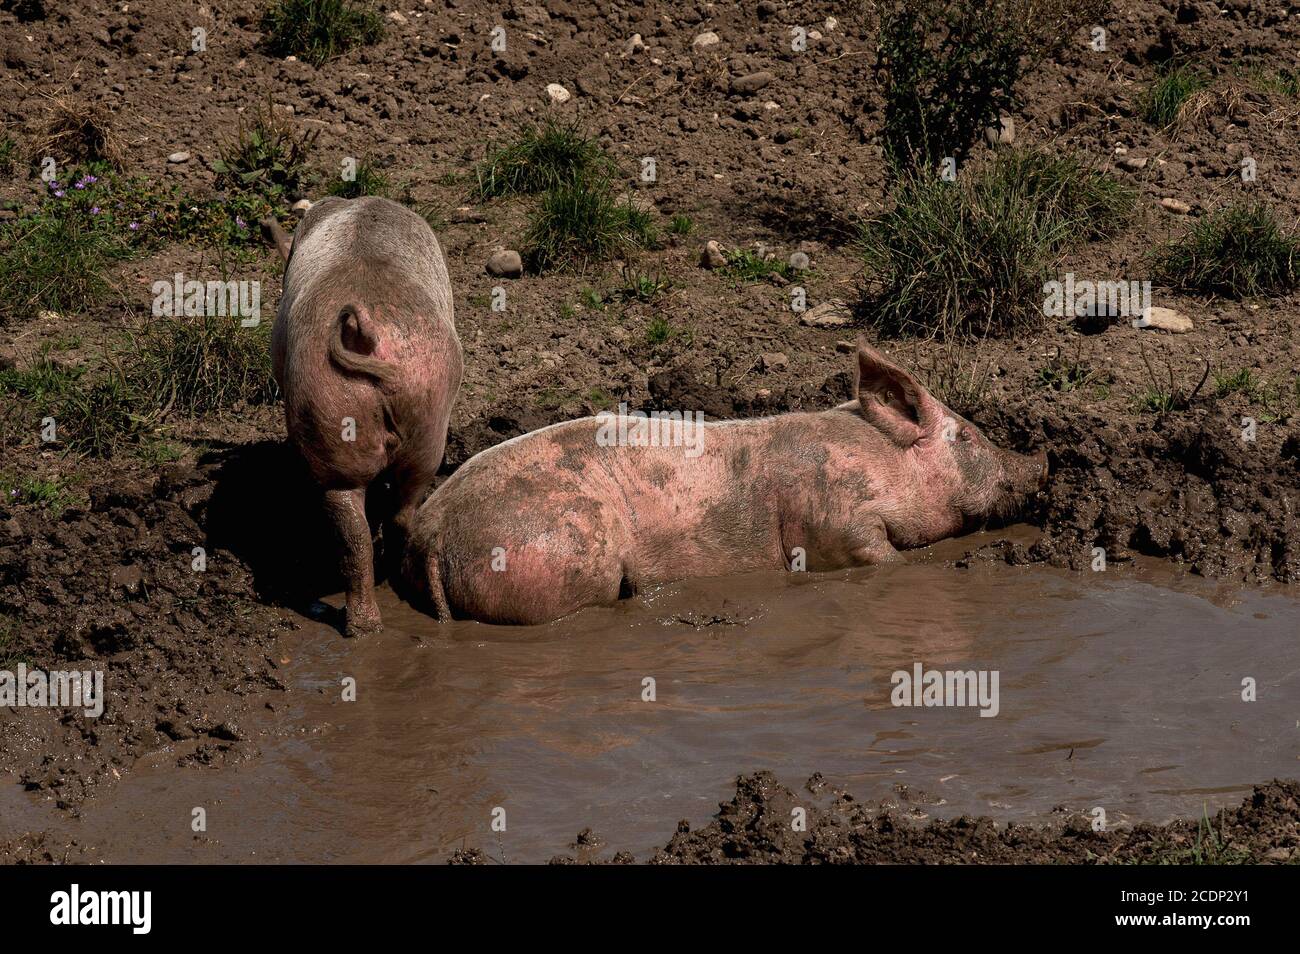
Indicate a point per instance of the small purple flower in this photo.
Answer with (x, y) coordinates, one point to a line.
(58, 193)
(94, 210)
(240, 222)
(53, 183)
(134, 226)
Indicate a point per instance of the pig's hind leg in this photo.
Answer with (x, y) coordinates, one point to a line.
(869, 542)
(347, 510)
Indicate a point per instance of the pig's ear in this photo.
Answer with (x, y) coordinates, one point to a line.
(891, 399)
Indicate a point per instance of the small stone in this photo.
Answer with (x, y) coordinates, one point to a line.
(505, 263)
(634, 45)
(751, 82)
(301, 207)
(1165, 319)
(845, 347)
(775, 361)
(768, 9)
(799, 261)
(830, 24)
(557, 93)
(468, 216)
(706, 39)
(712, 256)
(1003, 133)
(1176, 206)
(829, 314)
(179, 157)
(397, 17)
(1133, 163)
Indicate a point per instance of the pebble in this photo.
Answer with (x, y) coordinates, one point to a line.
(1176, 206)
(751, 82)
(775, 361)
(301, 207)
(397, 17)
(634, 45)
(712, 256)
(1003, 133)
(1165, 319)
(1132, 162)
(705, 39)
(179, 157)
(505, 263)
(829, 314)
(558, 93)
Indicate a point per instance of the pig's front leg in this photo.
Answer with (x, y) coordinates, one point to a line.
(869, 543)
(347, 508)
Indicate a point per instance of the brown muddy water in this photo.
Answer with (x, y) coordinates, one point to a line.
(1119, 689)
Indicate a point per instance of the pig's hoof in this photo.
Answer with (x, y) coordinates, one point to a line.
(363, 625)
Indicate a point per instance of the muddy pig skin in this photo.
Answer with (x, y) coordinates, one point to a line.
(571, 515)
(366, 353)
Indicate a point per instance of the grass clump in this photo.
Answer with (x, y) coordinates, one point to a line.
(96, 416)
(577, 224)
(267, 155)
(971, 257)
(1238, 251)
(319, 30)
(747, 266)
(77, 132)
(1174, 87)
(366, 180)
(542, 158)
(197, 365)
(681, 225)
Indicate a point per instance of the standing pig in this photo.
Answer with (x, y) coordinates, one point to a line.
(565, 517)
(366, 353)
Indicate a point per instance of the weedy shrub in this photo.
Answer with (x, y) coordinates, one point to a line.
(57, 257)
(267, 155)
(96, 415)
(581, 223)
(319, 30)
(1238, 251)
(1175, 85)
(948, 67)
(970, 257)
(542, 158)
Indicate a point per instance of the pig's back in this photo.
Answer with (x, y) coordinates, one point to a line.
(369, 248)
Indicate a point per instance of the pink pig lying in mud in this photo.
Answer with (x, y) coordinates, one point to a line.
(573, 515)
(366, 353)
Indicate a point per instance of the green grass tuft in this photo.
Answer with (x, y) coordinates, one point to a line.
(579, 224)
(267, 155)
(1175, 84)
(1238, 251)
(319, 30)
(542, 158)
(970, 257)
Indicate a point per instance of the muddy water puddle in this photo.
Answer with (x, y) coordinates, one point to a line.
(1116, 691)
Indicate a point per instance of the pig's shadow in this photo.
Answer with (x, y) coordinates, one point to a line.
(267, 511)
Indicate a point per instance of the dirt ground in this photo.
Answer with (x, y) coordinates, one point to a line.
(105, 583)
